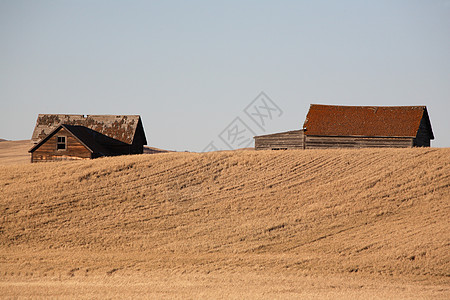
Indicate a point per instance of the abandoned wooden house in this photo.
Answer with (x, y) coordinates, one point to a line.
(333, 126)
(67, 137)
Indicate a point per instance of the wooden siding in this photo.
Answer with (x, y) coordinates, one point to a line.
(48, 152)
(281, 141)
(317, 142)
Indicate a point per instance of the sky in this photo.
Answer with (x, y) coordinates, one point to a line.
(197, 71)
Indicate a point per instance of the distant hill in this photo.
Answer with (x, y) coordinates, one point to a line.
(274, 215)
(14, 152)
(153, 150)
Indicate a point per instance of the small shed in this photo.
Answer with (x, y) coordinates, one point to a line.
(333, 126)
(63, 137)
(294, 139)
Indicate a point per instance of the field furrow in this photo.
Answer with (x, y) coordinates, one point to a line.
(375, 214)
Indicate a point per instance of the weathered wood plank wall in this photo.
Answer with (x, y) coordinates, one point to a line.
(281, 141)
(48, 151)
(316, 142)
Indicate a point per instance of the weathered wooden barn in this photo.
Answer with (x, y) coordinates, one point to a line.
(64, 137)
(333, 126)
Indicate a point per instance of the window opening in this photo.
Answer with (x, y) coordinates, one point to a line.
(61, 143)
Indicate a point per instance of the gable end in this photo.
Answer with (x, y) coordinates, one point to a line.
(48, 149)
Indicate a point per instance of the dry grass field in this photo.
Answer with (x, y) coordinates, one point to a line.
(352, 224)
(14, 152)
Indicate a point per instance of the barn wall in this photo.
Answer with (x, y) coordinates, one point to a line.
(284, 140)
(138, 141)
(137, 147)
(48, 152)
(423, 135)
(317, 142)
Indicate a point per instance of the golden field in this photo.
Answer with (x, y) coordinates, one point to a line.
(368, 223)
(14, 152)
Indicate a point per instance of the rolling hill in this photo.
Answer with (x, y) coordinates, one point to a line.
(265, 224)
(14, 152)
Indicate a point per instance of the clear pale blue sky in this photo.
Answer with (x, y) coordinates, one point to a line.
(190, 67)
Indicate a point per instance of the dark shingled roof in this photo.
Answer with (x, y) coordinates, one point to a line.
(122, 128)
(370, 121)
(91, 139)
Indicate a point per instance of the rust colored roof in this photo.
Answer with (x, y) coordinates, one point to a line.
(122, 128)
(381, 121)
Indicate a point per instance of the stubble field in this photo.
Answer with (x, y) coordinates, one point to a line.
(369, 223)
